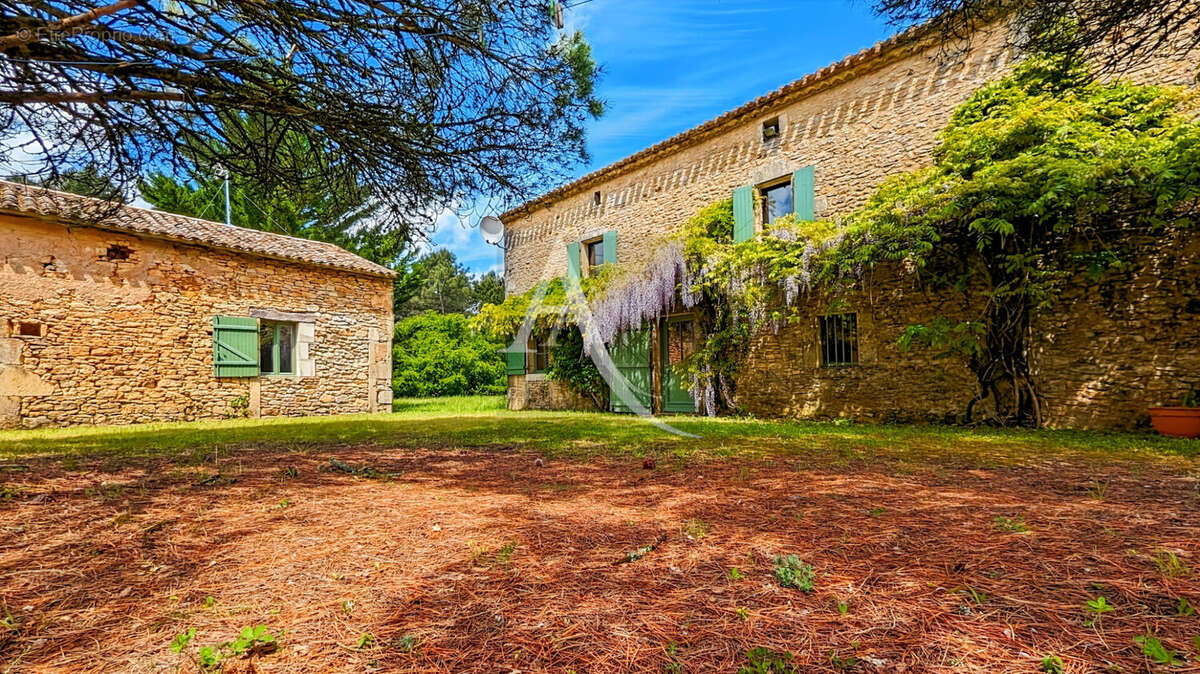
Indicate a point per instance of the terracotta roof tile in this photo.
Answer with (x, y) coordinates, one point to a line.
(74, 209)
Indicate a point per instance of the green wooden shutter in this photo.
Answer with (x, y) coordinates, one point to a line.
(743, 214)
(573, 261)
(515, 362)
(235, 346)
(610, 246)
(803, 189)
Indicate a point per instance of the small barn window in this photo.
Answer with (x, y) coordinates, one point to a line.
(276, 347)
(596, 198)
(839, 340)
(28, 329)
(770, 129)
(118, 253)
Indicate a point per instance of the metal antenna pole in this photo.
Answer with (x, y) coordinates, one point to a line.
(228, 219)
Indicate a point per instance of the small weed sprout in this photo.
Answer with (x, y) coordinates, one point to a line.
(239, 408)
(743, 613)
(792, 573)
(845, 664)
(736, 574)
(1169, 564)
(695, 529)
(365, 641)
(975, 595)
(1099, 606)
(1010, 524)
(1098, 489)
(843, 608)
(766, 661)
(1154, 649)
(1184, 607)
(505, 553)
(181, 640)
(876, 512)
(406, 643)
(210, 601)
(256, 640)
(1052, 664)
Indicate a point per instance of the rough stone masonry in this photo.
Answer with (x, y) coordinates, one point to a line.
(105, 325)
(1103, 356)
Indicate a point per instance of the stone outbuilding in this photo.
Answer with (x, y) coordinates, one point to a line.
(112, 314)
(819, 147)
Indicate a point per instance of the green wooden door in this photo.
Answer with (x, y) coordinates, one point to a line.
(631, 354)
(678, 342)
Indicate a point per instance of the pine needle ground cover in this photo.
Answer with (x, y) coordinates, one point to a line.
(455, 536)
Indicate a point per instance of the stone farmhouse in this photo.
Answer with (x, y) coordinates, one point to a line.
(820, 146)
(112, 314)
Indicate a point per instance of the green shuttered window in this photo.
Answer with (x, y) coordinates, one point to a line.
(803, 190)
(235, 346)
(573, 261)
(743, 214)
(515, 361)
(610, 246)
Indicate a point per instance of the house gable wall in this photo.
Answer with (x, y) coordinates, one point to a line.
(879, 120)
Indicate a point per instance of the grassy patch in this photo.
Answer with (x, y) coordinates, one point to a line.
(483, 422)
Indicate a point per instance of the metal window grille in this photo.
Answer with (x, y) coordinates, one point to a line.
(839, 339)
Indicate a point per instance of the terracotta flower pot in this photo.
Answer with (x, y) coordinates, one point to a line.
(1178, 422)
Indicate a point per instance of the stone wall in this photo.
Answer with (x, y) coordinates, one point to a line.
(89, 340)
(1109, 350)
(875, 117)
(784, 376)
(539, 392)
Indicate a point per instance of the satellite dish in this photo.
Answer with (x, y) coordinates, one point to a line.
(492, 228)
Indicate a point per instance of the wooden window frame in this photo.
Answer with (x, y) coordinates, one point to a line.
(838, 339)
(538, 359)
(761, 192)
(276, 327)
(587, 246)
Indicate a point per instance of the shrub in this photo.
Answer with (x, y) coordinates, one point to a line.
(791, 572)
(439, 355)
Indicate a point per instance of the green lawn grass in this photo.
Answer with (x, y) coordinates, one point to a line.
(483, 422)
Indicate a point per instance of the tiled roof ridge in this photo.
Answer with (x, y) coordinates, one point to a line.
(21, 199)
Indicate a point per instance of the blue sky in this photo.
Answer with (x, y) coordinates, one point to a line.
(667, 66)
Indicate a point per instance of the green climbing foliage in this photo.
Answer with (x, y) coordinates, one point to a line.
(553, 311)
(1041, 177)
(570, 364)
(1046, 176)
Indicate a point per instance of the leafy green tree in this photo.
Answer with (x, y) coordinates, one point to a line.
(1117, 33)
(487, 289)
(425, 102)
(445, 286)
(88, 181)
(438, 355)
(346, 218)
